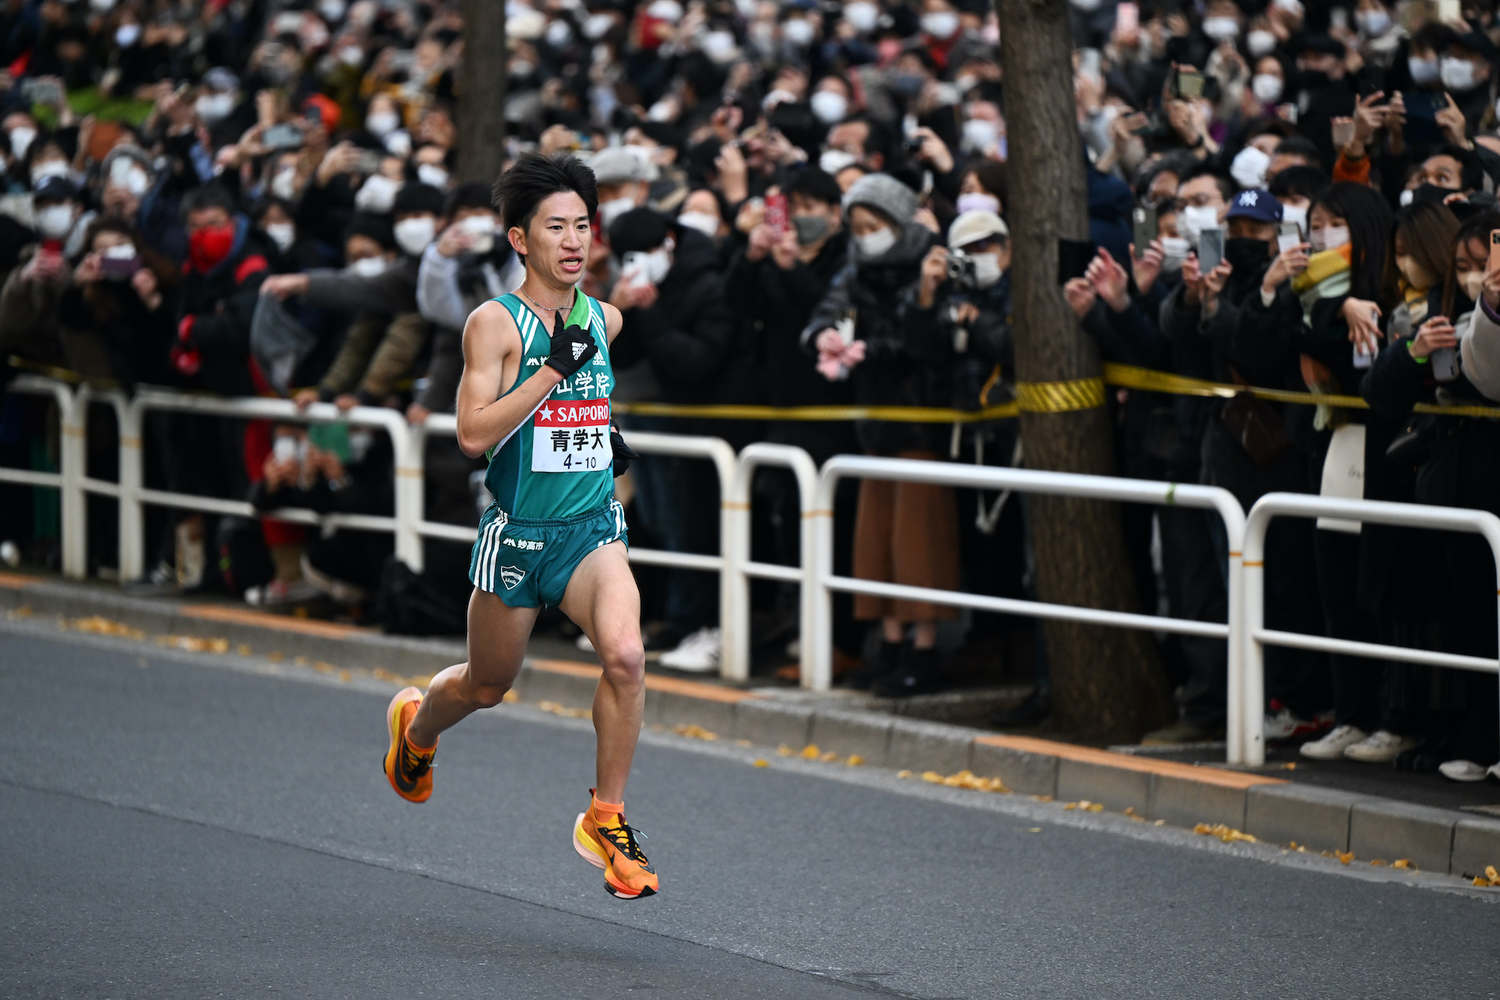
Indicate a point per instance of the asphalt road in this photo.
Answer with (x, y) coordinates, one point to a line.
(182, 825)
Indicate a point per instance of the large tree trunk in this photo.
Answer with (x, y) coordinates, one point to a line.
(1106, 683)
(481, 92)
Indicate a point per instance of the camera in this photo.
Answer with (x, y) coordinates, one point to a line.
(961, 269)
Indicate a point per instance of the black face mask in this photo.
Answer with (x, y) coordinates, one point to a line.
(1430, 193)
(1245, 255)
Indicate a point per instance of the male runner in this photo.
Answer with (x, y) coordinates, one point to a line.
(537, 404)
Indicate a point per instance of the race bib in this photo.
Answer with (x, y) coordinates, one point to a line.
(571, 436)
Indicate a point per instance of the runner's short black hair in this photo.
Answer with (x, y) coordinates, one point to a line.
(533, 177)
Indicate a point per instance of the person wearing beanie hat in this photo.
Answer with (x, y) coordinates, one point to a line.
(904, 532)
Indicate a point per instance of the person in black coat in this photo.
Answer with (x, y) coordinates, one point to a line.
(680, 332)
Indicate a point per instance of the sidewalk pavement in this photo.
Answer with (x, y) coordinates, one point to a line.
(1366, 815)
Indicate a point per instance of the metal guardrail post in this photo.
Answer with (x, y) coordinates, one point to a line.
(736, 661)
(1255, 637)
(409, 456)
(74, 448)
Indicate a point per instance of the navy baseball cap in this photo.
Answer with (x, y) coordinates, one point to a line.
(1256, 204)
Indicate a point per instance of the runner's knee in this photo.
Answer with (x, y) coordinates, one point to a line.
(624, 660)
(488, 695)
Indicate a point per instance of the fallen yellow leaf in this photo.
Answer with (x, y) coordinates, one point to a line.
(932, 777)
(828, 757)
(243, 649)
(1377, 863)
(1345, 857)
(1491, 874)
(784, 750)
(855, 760)
(810, 752)
(903, 774)
(1095, 807)
(1034, 829)
(762, 762)
(1070, 806)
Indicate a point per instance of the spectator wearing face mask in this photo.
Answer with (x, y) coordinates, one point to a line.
(679, 321)
(471, 262)
(31, 293)
(388, 333)
(119, 315)
(1448, 359)
(904, 532)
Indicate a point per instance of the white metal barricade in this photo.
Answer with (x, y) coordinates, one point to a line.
(1220, 501)
(735, 614)
(68, 479)
(1254, 636)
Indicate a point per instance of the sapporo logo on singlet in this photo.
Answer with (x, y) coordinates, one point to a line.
(571, 436)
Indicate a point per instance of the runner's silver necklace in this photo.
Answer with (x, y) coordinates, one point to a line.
(553, 309)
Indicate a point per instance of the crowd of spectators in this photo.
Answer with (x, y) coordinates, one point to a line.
(804, 203)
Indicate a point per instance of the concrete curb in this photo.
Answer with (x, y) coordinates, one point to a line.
(1270, 809)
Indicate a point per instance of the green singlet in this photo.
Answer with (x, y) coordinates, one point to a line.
(557, 463)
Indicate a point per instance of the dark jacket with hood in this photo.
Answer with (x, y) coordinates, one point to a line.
(870, 292)
(218, 305)
(688, 333)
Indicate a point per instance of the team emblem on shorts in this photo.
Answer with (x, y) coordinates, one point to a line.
(511, 576)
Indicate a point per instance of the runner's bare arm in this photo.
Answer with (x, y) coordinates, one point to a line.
(613, 321)
(485, 418)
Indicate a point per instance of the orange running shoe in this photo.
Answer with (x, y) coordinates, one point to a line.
(409, 772)
(611, 845)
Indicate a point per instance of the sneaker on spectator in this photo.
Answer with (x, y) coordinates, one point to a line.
(698, 653)
(1333, 745)
(279, 593)
(583, 643)
(1462, 770)
(1283, 724)
(1380, 747)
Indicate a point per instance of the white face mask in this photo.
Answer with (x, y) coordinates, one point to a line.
(127, 35)
(332, 10)
(977, 201)
(1407, 197)
(986, 268)
(102, 6)
(876, 244)
(1266, 87)
(1249, 167)
(135, 181)
(55, 221)
(980, 136)
(20, 140)
(720, 46)
(1221, 29)
(1174, 250)
(649, 267)
(665, 10)
(862, 16)
(703, 222)
(1423, 71)
(284, 184)
(1457, 74)
(940, 23)
(377, 195)
(51, 168)
(598, 25)
(1472, 284)
(1196, 218)
(283, 234)
(1260, 42)
(431, 173)
(413, 235)
(559, 33)
(382, 123)
(833, 160)
(368, 267)
(398, 143)
(797, 31)
(1372, 23)
(1297, 214)
(481, 232)
(214, 108)
(829, 106)
(611, 210)
(1329, 238)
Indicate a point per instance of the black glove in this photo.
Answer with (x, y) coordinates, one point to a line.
(623, 453)
(572, 348)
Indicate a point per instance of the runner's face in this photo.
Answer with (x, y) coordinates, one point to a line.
(557, 242)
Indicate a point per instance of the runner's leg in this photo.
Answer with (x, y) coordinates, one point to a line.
(602, 599)
(497, 645)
